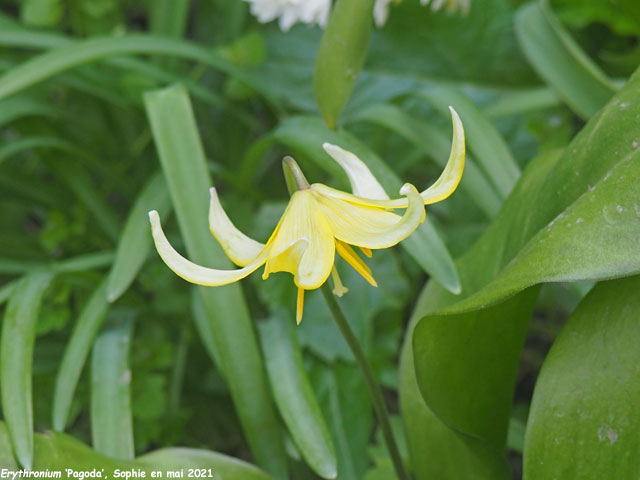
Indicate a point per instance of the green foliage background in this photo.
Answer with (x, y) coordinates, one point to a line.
(111, 108)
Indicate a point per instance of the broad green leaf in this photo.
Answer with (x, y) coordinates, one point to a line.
(16, 358)
(183, 161)
(56, 451)
(203, 326)
(294, 396)
(585, 410)
(560, 61)
(75, 354)
(341, 54)
(483, 139)
(433, 142)
(435, 449)
(111, 420)
(307, 134)
(572, 216)
(134, 243)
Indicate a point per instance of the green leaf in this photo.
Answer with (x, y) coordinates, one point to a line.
(572, 216)
(55, 451)
(307, 134)
(134, 243)
(584, 415)
(345, 402)
(434, 143)
(16, 358)
(183, 161)
(68, 56)
(75, 354)
(482, 137)
(111, 420)
(341, 54)
(294, 396)
(560, 61)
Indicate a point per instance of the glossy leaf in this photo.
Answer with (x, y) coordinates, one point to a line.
(183, 161)
(341, 54)
(584, 415)
(294, 396)
(16, 358)
(55, 451)
(560, 61)
(75, 354)
(111, 420)
(307, 134)
(134, 243)
(572, 216)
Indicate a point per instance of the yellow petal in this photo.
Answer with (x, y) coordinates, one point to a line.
(363, 183)
(352, 258)
(441, 189)
(189, 270)
(450, 177)
(238, 247)
(303, 243)
(372, 227)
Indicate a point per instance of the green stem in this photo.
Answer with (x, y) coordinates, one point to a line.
(374, 388)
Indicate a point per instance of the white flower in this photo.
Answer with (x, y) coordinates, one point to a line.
(381, 12)
(290, 12)
(463, 5)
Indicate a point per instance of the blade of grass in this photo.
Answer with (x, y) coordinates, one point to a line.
(74, 54)
(294, 395)
(560, 61)
(184, 164)
(80, 263)
(84, 188)
(490, 149)
(6, 291)
(16, 355)
(111, 420)
(134, 243)
(75, 354)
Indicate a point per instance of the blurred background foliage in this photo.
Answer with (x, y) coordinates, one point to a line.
(78, 162)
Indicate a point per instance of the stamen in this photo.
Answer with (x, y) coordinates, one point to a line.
(338, 287)
(352, 258)
(300, 305)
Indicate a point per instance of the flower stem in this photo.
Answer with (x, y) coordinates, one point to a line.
(372, 385)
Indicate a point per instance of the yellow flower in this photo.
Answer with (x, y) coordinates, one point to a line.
(318, 222)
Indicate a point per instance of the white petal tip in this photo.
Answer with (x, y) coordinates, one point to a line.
(406, 188)
(153, 216)
(212, 191)
(329, 147)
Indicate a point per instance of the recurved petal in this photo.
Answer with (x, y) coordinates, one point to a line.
(370, 226)
(441, 189)
(363, 183)
(192, 272)
(238, 247)
(450, 177)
